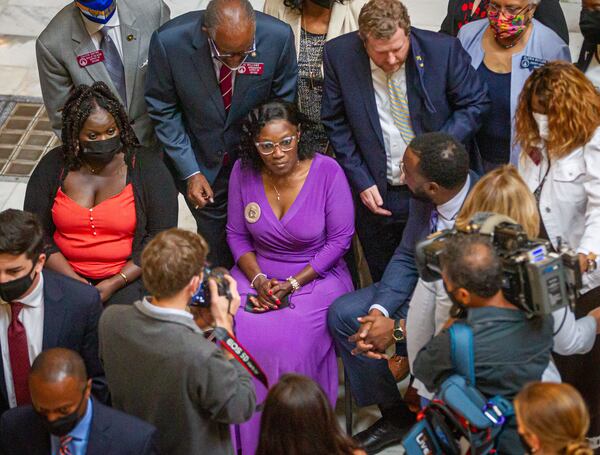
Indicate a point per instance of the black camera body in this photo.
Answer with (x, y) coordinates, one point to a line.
(535, 279)
(202, 297)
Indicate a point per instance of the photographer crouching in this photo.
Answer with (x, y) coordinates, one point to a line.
(511, 348)
(159, 365)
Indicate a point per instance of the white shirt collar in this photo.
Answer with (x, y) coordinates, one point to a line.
(94, 27)
(375, 68)
(35, 297)
(165, 311)
(449, 210)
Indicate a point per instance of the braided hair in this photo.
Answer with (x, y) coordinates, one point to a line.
(83, 100)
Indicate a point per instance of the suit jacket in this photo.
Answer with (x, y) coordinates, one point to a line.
(444, 94)
(60, 72)
(111, 432)
(71, 314)
(184, 98)
(400, 277)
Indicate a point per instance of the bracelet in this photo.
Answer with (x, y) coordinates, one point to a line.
(124, 278)
(294, 282)
(255, 277)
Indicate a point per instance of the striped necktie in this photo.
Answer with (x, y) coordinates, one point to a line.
(113, 63)
(433, 221)
(226, 85)
(400, 112)
(64, 448)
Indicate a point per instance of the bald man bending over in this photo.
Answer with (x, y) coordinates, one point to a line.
(65, 420)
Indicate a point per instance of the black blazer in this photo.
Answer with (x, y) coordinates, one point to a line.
(111, 432)
(548, 12)
(71, 314)
(153, 189)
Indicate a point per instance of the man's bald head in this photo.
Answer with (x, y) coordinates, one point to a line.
(57, 364)
(230, 14)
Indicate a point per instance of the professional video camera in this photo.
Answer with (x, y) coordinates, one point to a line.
(202, 296)
(536, 279)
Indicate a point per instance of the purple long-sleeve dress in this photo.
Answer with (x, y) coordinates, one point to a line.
(316, 230)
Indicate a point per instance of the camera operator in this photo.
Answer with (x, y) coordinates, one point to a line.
(511, 349)
(159, 365)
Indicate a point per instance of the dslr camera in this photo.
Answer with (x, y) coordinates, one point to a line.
(202, 297)
(536, 279)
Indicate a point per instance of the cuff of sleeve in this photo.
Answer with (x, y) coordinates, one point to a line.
(192, 174)
(380, 308)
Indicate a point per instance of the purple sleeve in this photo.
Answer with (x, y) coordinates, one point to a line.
(339, 222)
(238, 236)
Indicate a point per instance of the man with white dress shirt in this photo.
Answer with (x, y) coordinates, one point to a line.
(100, 40)
(40, 310)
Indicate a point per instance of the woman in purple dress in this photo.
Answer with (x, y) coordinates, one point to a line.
(290, 221)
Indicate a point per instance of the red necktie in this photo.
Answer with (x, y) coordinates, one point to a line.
(64, 445)
(226, 85)
(18, 354)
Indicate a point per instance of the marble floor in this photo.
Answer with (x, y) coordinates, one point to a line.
(21, 21)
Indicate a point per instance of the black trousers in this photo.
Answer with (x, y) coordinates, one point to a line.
(381, 235)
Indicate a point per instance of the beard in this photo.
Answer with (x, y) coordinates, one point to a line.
(420, 195)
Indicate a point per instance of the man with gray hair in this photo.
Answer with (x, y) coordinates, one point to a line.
(207, 70)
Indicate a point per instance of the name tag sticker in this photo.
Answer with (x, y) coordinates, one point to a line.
(90, 58)
(251, 68)
(532, 62)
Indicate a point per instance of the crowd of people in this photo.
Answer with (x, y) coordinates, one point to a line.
(315, 144)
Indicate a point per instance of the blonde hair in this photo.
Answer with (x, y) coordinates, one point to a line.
(382, 18)
(502, 191)
(557, 415)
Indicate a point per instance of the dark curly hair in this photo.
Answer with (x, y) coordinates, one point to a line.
(82, 101)
(298, 4)
(268, 112)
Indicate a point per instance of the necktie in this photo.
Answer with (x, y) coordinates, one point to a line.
(433, 221)
(226, 85)
(400, 112)
(64, 445)
(113, 63)
(18, 354)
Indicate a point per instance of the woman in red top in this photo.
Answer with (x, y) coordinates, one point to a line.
(100, 196)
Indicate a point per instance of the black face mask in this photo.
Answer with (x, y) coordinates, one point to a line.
(13, 290)
(323, 3)
(64, 425)
(589, 22)
(101, 152)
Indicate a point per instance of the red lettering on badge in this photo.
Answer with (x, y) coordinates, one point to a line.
(90, 58)
(251, 68)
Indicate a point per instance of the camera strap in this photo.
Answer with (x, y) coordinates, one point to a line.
(238, 351)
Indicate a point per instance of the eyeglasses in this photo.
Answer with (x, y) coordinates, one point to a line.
(506, 11)
(267, 148)
(222, 55)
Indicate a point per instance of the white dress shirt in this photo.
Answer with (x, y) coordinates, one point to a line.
(93, 29)
(32, 317)
(165, 311)
(394, 143)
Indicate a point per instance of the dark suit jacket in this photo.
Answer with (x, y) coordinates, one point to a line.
(71, 314)
(111, 432)
(400, 277)
(183, 94)
(444, 94)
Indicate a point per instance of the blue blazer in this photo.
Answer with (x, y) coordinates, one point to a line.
(111, 432)
(71, 314)
(444, 94)
(183, 94)
(400, 277)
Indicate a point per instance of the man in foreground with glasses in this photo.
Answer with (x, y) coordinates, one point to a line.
(207, 70)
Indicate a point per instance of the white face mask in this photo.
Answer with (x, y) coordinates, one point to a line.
(542, 124)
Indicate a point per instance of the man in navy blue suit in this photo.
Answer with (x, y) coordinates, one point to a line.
(383, 85)
(39, 310)
(435, 168)
(64, 419)
(206, 71)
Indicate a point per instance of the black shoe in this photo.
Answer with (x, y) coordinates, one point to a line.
(380, 435)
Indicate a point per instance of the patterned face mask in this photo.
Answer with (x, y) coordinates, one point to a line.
(508, 28)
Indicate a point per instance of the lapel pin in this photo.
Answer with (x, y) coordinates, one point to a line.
(130, 37)
(253, 54)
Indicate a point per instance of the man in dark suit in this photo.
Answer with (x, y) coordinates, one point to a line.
(383, 85)
(207, 70)
(39, 310)
(589, 57)
(64, 419)
(435, 167)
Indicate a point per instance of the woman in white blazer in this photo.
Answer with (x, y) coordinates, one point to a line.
(558, 129)
(314, 22)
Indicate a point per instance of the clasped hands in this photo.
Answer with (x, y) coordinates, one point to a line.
(374, 335)
(270, 293)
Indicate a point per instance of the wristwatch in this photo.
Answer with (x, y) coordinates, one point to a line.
(398, 332)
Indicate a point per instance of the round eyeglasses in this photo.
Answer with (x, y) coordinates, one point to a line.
(267, 148)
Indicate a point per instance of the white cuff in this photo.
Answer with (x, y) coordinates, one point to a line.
(380, 308)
